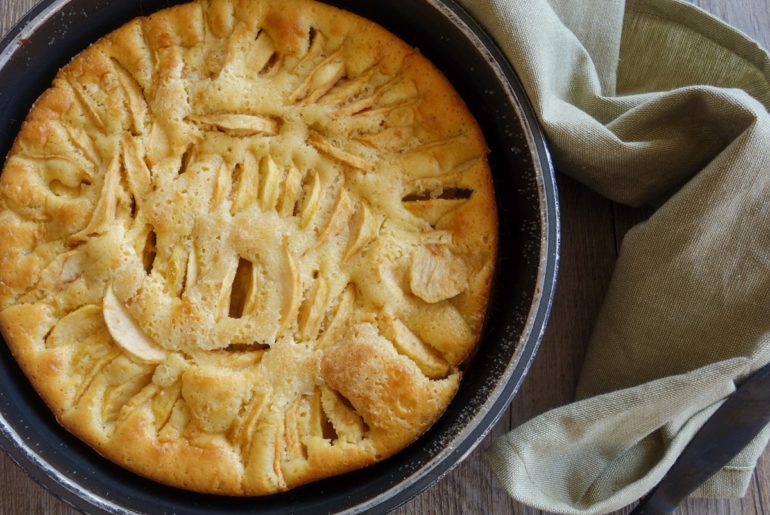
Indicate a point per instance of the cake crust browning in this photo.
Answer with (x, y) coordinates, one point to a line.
(246, 244)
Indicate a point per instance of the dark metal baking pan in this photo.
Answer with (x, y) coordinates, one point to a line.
(56, 30)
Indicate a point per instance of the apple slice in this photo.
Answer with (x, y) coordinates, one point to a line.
(430, 361)
(437, 274)
(325, 146)
(243, 125)
(311, 202)
(363, 229)
(271, 175)
(127, 333)
(340, 215)
(291, 288)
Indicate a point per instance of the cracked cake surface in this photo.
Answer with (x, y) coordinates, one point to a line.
(246, 244)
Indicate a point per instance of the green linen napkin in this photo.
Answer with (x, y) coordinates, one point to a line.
(649, 102)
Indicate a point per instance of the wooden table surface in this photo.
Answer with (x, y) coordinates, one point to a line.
(592, 231)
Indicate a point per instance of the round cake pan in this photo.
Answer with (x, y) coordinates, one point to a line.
(56, 30)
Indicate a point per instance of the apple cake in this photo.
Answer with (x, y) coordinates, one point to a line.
(246, 244)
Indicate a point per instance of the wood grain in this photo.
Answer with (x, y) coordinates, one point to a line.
(592, 229)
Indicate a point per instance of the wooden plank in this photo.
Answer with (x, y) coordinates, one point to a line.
(762, 483)
(588, 256)
(467, 489)
(587, 259)
(21, 495)
(750, 16)
(12, 11)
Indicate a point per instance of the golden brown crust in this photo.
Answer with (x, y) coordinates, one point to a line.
(246, 244)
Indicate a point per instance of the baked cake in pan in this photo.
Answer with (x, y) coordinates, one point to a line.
(246, 244)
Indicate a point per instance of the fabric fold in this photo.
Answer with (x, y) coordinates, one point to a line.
(649, 102)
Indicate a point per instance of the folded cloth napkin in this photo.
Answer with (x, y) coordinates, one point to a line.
(649, 102)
